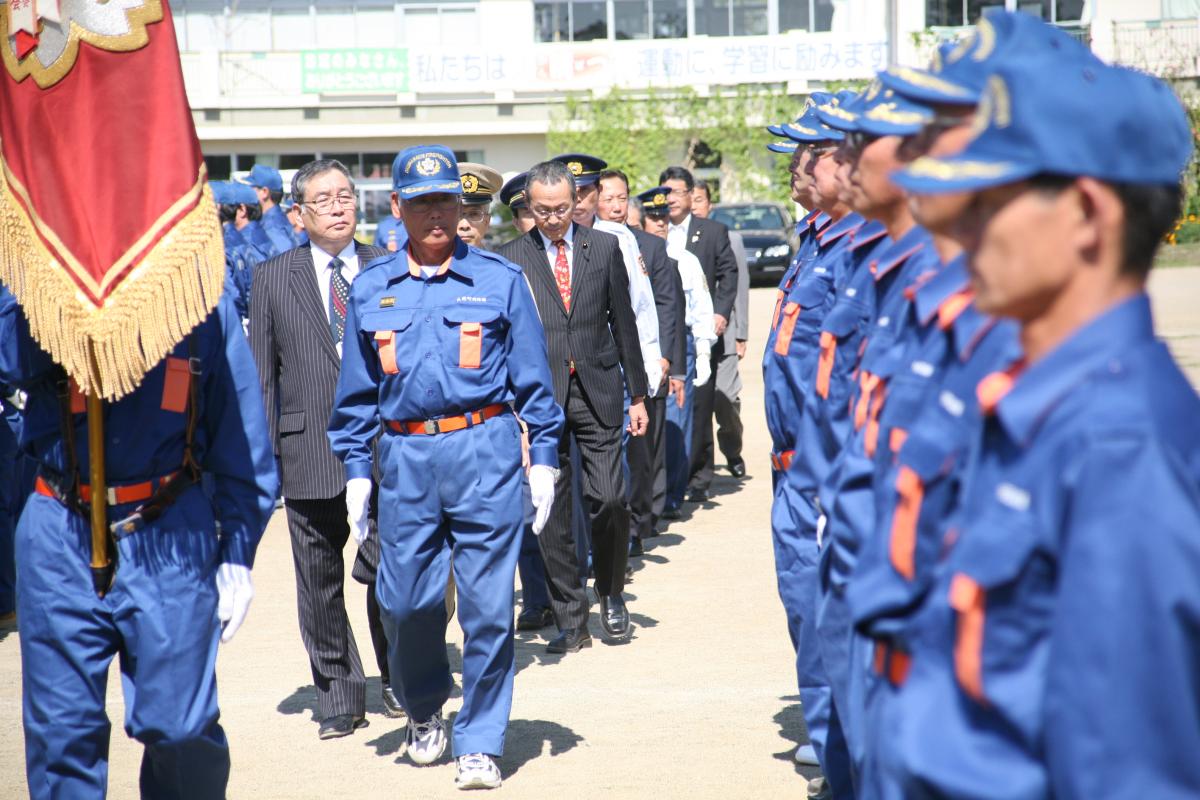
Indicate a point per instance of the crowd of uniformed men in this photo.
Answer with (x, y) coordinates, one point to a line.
(986, 468)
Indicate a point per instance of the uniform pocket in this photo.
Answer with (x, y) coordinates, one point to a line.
(470, 335)
(383, 325)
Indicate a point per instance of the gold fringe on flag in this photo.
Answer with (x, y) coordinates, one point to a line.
(173, 288)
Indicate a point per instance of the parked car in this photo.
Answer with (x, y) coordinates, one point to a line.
(768, 232)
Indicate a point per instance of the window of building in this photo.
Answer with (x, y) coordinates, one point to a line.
(292, 27)
(731, 17)
(570, 20)
(377, 165)
(219, 167)
(954, 13)
(295, 160)
(349, 161)
(1053, 10)
(631, 19)
(669, 19)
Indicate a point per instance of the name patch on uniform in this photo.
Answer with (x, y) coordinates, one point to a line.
(467, 298)
(952, 403)
(1012, 496)
(387, 302)
(922, 368)
(819, 270)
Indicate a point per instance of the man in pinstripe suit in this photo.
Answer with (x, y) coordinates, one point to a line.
(581, 288)
(296, 340)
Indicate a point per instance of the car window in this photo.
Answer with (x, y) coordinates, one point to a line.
(741, 218)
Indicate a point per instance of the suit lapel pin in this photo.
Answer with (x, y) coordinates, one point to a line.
(695, 237)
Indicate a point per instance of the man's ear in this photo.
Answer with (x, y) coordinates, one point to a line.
(1100, 218)
(397, 209)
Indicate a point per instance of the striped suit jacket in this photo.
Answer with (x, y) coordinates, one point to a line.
(298, 368)
(599, 335)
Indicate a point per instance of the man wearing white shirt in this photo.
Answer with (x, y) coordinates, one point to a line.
(297, 315)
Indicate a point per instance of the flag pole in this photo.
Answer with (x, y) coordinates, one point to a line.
(102, 568)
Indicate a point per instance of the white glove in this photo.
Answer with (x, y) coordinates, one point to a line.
(541, 487)
(235, 590)
(358, 503)
(654, 376)
(703, 366)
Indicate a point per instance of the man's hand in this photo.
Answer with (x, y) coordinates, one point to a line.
(666, 367)
(679, 389)
(741, 349)
(358, 503)
(525, 451)
(638, 419)
(235, 590)
(541, 490)
(719, 324)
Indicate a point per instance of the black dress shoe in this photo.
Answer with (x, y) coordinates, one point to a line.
(341, 725)
(391, 706)
(672, 513)
(635, 547)
(698, 496)
(571, 640)
(534, 619)
(738, 469)
(614, 616)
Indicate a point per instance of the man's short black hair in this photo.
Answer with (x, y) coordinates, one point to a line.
(227, 212)
(703, 186)
(253, 212)
(677, 174)
(549, 173)
(615, 173)
(276, 197)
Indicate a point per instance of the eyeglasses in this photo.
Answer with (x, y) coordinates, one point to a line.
(326, 203)
(818, 151)
(857, 140)
(474, 214)
(680, 192)
(562, 212)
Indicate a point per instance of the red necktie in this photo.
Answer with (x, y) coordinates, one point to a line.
(562, 273)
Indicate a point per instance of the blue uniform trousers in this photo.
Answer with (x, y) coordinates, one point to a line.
(160, 617)
(679, 435)
(10, 467)
(456, 493)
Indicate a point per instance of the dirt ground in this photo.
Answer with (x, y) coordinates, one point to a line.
(700, 704)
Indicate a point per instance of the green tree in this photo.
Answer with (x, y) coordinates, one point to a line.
(641, 132)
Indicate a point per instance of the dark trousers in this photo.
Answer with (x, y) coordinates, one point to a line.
(703, 400)
(319, 531)
(646, 456)
(604, 493)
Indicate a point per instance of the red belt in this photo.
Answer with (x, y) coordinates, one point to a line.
(782, 461)
(891, 663)
(447, 424)
(117, 495)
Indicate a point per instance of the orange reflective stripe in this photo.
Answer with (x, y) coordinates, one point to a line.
(866, 388)
(953, 306)
(904, 522)
(387, 352)
(783, 340)
(897, 438)
(470, 344)
(968, 598)
(991, 390)
(779, 295)
(78, 405)
(175, 385)
(871, 437)
(825, 363)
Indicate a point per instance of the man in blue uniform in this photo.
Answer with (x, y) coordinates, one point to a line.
(1055, 654)
(183, 559)
(389, 232)
(443, 343)
(241, 257)
(268, 186)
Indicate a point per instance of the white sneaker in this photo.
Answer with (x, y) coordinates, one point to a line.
(477, 771)
(805, 754)
(426, 740)
(818, 789)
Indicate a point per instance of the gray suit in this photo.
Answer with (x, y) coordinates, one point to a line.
(298, 367)
(727, 405)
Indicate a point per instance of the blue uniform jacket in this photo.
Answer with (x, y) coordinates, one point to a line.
(466, 338)
(1056, 654)
(145, 430)
(384, 229)
(278, 230)
(256, 235)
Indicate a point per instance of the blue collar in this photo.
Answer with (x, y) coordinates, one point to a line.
(932, 293)
(1046, 382)
(900, 251)
(872, 231)
(847, 224)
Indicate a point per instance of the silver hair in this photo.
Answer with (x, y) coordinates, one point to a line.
(311, 170)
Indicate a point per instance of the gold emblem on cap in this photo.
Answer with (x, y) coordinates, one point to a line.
(575, 167)
(987, 40)
(427, 165)
(995, 107)
(470, 184)
(660, 199)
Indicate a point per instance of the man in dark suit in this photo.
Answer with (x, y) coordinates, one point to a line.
(708, 240)
(581, 288)
(647, 457)
(295, 334)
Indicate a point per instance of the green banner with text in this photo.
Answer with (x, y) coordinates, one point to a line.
(355, 71)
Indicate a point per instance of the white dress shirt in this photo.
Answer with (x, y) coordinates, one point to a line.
(698, 315)
(677, 234)
(552, 250)
(641, 297)
(321, 259)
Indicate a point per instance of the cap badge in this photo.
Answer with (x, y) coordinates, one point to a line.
(427, 166)
(660, 199)
(575, 167)
(470, 184)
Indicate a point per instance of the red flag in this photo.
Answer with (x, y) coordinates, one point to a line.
(108, 233)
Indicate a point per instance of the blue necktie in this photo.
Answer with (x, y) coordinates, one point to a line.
(339, 294)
